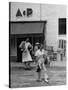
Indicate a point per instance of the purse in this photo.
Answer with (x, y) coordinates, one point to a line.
(38, 69)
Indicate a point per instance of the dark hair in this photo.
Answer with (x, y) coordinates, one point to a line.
(27, 39)
(38, 46)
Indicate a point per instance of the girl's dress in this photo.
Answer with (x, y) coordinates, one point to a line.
(39, 54)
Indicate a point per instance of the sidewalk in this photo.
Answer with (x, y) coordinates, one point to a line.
(28, 78)
(58, 64)
(52, 64)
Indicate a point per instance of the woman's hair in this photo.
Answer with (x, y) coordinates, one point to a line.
(41, 46)
(27, 39)
(38, 46)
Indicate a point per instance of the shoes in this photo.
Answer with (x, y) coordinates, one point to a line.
(47, 80)
(39, 80)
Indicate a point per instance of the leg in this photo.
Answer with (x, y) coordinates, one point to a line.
(25, 63)
(28, 64)
(39, 76)
(45, 73)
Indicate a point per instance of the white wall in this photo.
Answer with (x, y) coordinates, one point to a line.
(52, 13)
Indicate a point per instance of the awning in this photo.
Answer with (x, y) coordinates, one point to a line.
(26, 28)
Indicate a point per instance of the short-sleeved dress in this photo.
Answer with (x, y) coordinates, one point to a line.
(26, 53)
(40, 61)
(41, 64)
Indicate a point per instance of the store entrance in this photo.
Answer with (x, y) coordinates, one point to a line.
(33, 38)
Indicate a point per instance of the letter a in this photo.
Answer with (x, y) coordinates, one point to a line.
(18, 14)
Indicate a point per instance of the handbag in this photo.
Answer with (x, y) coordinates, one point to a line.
(46, 60)
(38, 69)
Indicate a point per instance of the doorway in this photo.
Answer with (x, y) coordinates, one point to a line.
(33, 38)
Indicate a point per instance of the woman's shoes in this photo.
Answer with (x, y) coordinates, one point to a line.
(47, 81)
(39, 80)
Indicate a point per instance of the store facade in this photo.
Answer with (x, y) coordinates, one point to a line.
(38, 22)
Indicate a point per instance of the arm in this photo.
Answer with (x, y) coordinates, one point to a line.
(20, 46)
(30, 46)
(44, 54)
(37, 56)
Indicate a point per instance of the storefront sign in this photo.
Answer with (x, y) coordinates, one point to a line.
(28, 12)
(24, 12)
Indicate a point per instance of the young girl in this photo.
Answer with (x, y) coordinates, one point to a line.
(40, 53)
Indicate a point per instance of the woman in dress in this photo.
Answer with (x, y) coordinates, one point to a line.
(40, 55)
(26, 57)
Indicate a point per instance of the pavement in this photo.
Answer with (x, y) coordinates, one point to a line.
(52, 64)
(21, 77)
(58, 64)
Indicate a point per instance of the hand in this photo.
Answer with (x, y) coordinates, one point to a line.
(21, 49)
(44, 56)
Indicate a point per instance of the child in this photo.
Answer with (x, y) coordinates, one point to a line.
(40, 61)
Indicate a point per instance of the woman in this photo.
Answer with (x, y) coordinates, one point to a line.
(40, 55)
(26, 57)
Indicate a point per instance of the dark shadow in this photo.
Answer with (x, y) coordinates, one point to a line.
(22, 68)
